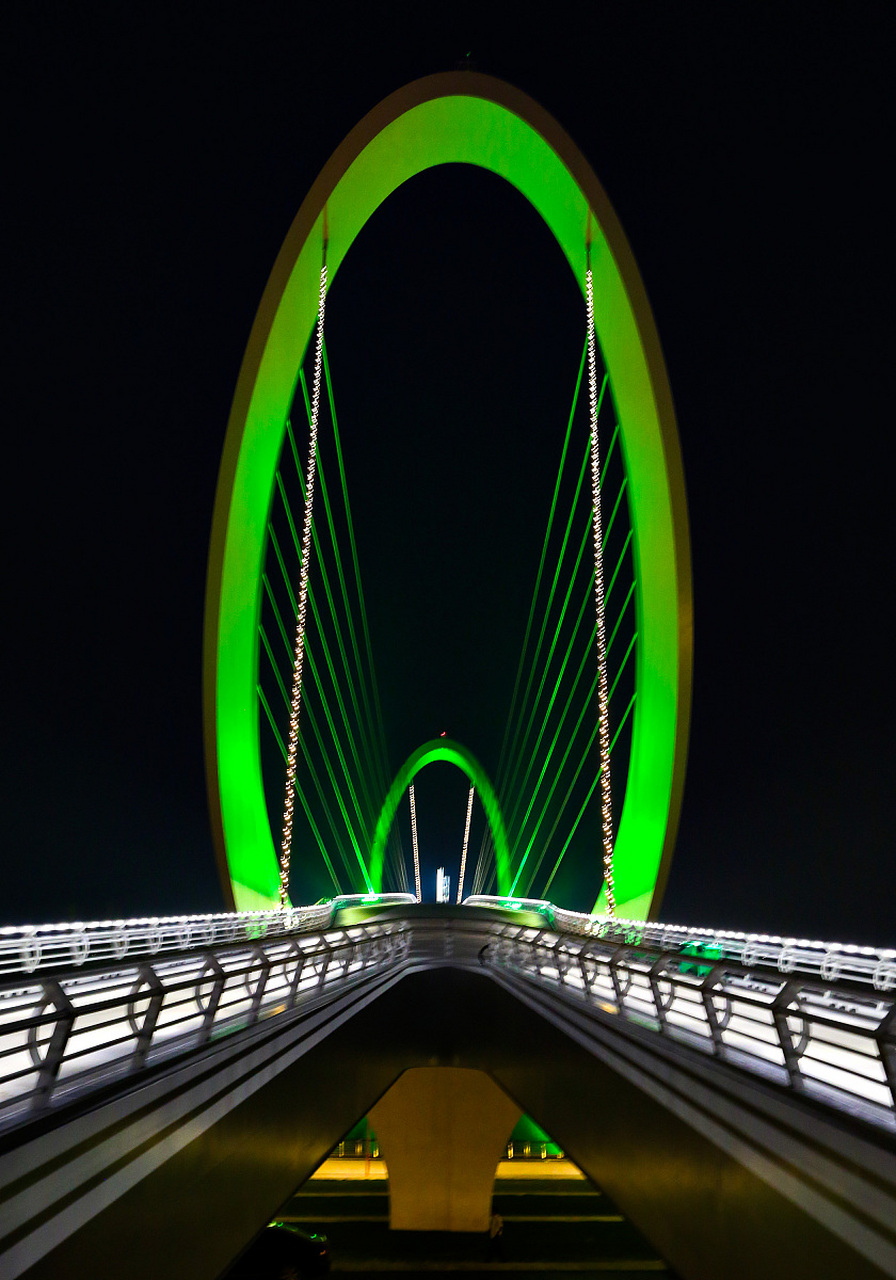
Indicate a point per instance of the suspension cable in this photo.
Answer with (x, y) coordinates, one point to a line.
(559, 771)
(602, 693)
(292, 750)
(376, 748)
(463, 856)
(524, 754)
(356, 754)
(316, 683)
(315, 830)
(379, 749)
(533, 754)
(511, 734)
(374, 691)
(578, 819)
(508, 779)
(414, 843)
(399, 867)
(485, 848)
(366, 819)
(541, 563)
(370, 725)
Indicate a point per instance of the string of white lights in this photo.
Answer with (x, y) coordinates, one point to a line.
(603, 700)
(299, 654)
(414, 843)
(463, 856)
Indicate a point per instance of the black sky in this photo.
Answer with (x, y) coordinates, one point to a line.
(156, 161)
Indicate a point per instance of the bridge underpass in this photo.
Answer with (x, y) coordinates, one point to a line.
(174, 1163)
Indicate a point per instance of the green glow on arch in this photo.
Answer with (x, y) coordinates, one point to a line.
(468, 118)
(444, 749)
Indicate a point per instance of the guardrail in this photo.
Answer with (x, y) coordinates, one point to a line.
(831, 961)
(64, 1033)
(833, 1040)
(33, 948)
(74, 1015)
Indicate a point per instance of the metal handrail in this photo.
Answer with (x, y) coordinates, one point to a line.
(62, 1034)
(831, 961)
(37, 948)
(66, 1030)
(835, 1041)
(33, 948)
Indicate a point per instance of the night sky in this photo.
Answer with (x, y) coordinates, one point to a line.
(157, 160)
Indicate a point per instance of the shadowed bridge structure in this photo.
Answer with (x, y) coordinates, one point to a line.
(735, 1094)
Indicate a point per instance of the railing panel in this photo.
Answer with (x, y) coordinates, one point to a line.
(814, 1017)
(62, 1035)
(821, 1032)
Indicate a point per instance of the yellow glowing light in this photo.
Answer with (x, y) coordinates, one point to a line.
(463, 856)
(296, 704)
(603, 700)
(414, 843)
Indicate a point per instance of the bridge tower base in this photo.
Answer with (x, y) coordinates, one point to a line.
(442, 1131)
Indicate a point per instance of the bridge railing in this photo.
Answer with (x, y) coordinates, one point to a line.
(39, 948)
(834, 1040)
(818, 1019)
(33, 948)
(66, 1032)
(830, 961)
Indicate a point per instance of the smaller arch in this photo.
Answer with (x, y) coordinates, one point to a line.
(445, 749)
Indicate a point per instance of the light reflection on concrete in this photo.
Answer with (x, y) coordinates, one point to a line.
(347, 1169)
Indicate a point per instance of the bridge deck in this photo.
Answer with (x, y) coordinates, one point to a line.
(233, 1069)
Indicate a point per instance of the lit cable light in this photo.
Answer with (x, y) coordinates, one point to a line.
(603, 700)
(296, 704)
(414, 843)
(463, 856)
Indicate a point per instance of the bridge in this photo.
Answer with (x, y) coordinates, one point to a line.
(735, 1094)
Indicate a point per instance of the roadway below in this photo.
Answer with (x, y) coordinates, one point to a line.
(556, 1222)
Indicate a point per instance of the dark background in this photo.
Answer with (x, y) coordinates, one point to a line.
(156, 160)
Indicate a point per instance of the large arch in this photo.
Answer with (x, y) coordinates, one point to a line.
(456, 117)
(451, 752)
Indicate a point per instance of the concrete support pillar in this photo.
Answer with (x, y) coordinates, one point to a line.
(442, 1131)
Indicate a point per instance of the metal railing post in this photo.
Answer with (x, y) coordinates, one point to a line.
(209, 1012)
(712, 1017)
(886, 1047)
(559, 953)
(258, 994)
(328, 955)
(584, 956)
(49, 1064)
(143, 1034)
(297, 976)
(619, 991)
(789, 993)
(660, 1004)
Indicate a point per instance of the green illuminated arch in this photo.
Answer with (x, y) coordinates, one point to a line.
(450, 752)
(457, 117)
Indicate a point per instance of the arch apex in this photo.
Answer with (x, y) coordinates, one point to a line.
(450, 752)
